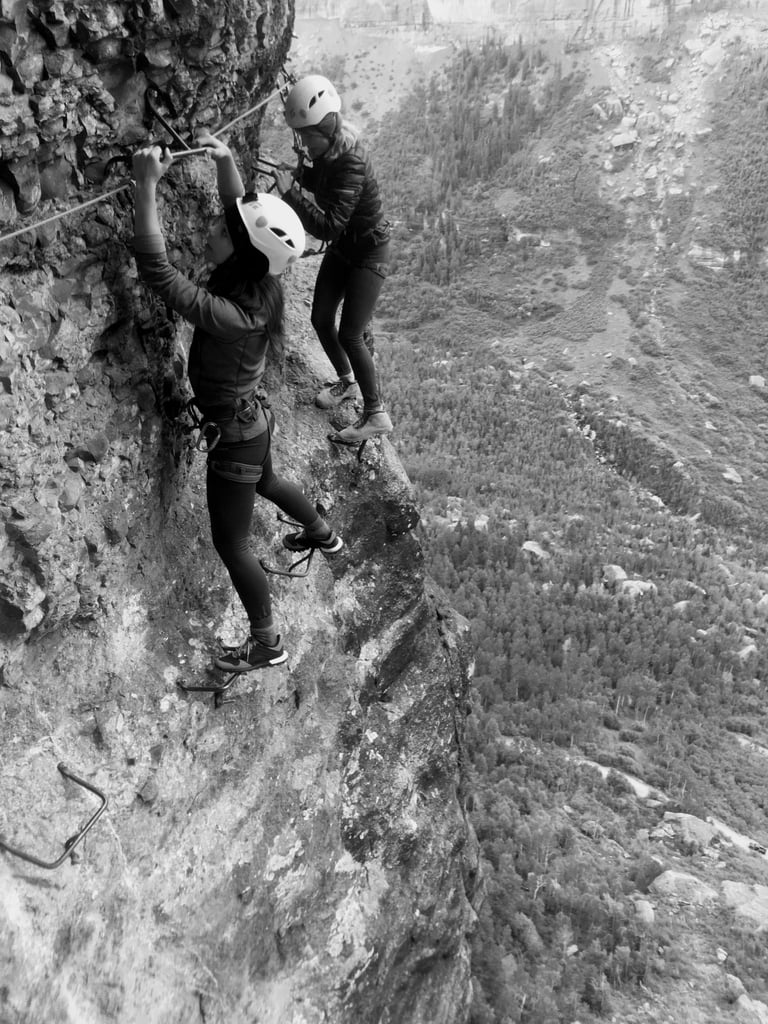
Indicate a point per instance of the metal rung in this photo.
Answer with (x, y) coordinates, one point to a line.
(73, 841)
(306, 558)
(349, 444)
(218, 691)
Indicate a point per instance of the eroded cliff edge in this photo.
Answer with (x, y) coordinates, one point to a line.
(300, 854)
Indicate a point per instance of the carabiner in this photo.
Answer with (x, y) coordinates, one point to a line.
(209, 436)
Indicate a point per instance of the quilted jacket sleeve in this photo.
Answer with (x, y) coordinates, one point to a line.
(337, 194)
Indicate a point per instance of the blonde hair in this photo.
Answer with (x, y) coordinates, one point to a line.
(345, 138)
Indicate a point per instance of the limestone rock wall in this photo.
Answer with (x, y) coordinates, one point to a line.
(297, 855)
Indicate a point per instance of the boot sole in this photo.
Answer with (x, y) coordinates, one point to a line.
(338, 439)
(315, 547)
(341, 401)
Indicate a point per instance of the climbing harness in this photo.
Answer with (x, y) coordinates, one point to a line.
(209, 430)
(210, 420)
(73, 841)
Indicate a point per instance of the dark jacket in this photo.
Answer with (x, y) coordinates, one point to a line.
(228, 353)
(347, 209)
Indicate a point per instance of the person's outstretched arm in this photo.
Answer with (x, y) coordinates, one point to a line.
(216, 315)
(149, 165)
(228, 179)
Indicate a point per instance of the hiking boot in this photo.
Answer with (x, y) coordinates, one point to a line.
(301, 542)
(334, 392)
(370, 424)
(250, 655)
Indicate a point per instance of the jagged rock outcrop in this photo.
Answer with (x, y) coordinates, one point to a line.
(300, 853)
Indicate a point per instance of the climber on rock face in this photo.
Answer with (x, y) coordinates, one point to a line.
(347, 214)
(236, 319)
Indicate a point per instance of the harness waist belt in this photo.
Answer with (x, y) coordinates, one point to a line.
(230, 411)
(240, 472)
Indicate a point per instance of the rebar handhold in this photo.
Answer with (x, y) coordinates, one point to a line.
(73, 841)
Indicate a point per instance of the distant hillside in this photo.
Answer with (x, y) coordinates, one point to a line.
(367, 12)
(531, 18)
(571, 345)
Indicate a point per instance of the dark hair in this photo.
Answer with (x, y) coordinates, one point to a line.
(243, 278)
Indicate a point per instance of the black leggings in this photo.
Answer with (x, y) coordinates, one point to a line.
(230, 508)
(357, 284)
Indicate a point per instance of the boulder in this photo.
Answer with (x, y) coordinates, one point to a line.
(713, 54)
(714, 259)
(636, 588)
(534, 550)
(624, 140)
(680, 885)
(749, 903)
(734, 988)
(689, 830)
(750, 1011)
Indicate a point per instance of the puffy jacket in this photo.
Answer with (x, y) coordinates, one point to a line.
(347, 208)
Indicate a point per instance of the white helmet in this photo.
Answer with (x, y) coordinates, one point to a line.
(272, 227)
(310, 100)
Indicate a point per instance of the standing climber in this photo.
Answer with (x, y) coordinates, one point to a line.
(236, 318)
(347, 214)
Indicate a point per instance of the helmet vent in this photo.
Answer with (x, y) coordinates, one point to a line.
(283, 236)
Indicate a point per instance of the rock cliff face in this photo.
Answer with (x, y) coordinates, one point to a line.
(301, 853)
